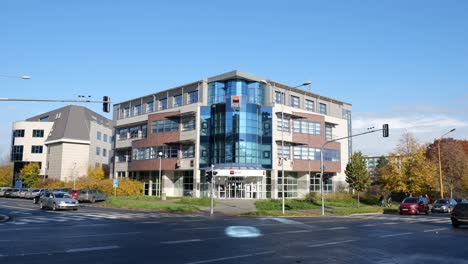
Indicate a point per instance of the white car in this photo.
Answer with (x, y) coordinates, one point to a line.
(57, 200)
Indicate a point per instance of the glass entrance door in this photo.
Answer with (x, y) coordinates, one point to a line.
(239, 188)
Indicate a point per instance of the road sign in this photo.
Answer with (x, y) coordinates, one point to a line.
(116, 183)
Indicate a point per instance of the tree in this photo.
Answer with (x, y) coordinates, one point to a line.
(357, 175)
(417, 173)
(96, 173)
(29, 174)
(407, 145)
(381, 163)
(6, 175)
(454, 161)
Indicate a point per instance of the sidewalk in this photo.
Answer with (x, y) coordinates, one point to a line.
(232, 207)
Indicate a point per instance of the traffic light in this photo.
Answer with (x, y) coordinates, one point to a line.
(385, 130)
(106, 104)
(209, 176)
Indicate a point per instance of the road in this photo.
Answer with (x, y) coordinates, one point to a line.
(99, 235)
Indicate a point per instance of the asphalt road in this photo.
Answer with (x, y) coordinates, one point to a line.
(98, 235)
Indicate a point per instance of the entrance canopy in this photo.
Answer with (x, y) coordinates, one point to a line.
(241, 173)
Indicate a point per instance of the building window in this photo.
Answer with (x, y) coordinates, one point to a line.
(104, 152)
(144, 131)
(177, 100)
(284, 152)
(169, 152)
(315, 183)
(307, 127)
(328, 131)
(104, 138)
(309, 105)
(279, 97)
(18, 133)
(188, 123)
(134, 132)
(193, 97)
(188, 151)
(150, 107)
(163, 104)
(123, 133)
(44, 119)
(36, 149)
(290, 184)
(161, 126)
(283, 125)
(17, 153)
(323, 108)
(126, 112)
(38, 133)
(98, 151)
(98, 136)
(188, 183)
(295, 101)
(137, 110)
(266, 154)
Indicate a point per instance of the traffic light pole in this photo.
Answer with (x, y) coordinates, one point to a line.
(211, 190)
(105, 102)
(385, 134)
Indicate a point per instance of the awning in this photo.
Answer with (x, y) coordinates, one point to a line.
(182, 141)
(292, 143)
(290, 115)
(183, 114)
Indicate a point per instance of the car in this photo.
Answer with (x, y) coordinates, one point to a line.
(38, 195)
(443, 205)
(91, 195)
(15, 193)
(32, 193)
(67, 190)
(74, 194)
(460, 200)
(7, 192)
(414, 205)
(58, 200)
(3, 190)
(459, 215)
(23, 192)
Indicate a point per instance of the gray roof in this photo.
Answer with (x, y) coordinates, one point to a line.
(71, 122)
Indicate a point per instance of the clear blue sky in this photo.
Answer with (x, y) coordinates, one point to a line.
(401, 62)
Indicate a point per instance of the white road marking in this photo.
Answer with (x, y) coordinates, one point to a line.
(90, 249)
(435, 230)
(336, 228)
(181, 241)
(233, 257)
(285, 221)
(399, 234)
(331, 243)
(18, 207)
(150, 222)
(194, 220)
(390, 223)
(111, 234)
(368, 225)
(299, 231)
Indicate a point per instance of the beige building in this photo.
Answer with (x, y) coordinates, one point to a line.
(64, 142)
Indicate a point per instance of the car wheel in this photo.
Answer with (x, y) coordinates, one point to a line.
(41, 205)
(455, 223)
(400, 213)
(54, 207)
(93, 200)
(34, 200)
(417, 212)
(74, 209)
(427, 212)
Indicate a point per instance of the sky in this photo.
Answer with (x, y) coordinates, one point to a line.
(404, 63)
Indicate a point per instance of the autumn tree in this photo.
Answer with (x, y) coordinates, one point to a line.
(6, 175)
(382, 162)
(454, 161)
(29, 174)
(357, 175)
(96, 173)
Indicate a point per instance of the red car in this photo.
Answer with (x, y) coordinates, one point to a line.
(74, 194)
(414, 205)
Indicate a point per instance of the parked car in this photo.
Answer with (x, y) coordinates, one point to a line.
(7, 192)
(443, 205)
(74, 194)
(414, 205)
(38, 195)
(88, 195)
(460, 200)
(459, 215)
(23, 193)
(32, 193)
(2, 191)
(15, 193)
(67, 190)
(57, 200)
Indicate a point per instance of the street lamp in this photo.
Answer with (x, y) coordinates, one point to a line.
(160, 176)
(74, 176)
(283, 101)
(440, 163)
(25, 77)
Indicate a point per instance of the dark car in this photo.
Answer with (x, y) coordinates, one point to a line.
(7, 192)
(38, 195)
(460, 200)
(414, 205)
(91, 196)
(459, 215)
(443, 205)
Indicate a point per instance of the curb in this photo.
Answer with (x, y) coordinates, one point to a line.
(368, 214)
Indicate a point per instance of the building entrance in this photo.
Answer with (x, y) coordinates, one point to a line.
(239, 188)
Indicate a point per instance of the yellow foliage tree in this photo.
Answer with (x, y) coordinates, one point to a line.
(6, 175)
(29, 174)
(96, 173)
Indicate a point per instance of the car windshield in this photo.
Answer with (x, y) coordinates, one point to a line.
(411, 200)
(62, 195)
(442, 201)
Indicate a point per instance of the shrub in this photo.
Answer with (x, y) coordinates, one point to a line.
(127, 187)
(52, 184)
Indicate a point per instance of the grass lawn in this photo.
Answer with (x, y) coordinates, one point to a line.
(122, 202)
(278, 213)
(354, 210)
(205, 201)
(289, 204)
